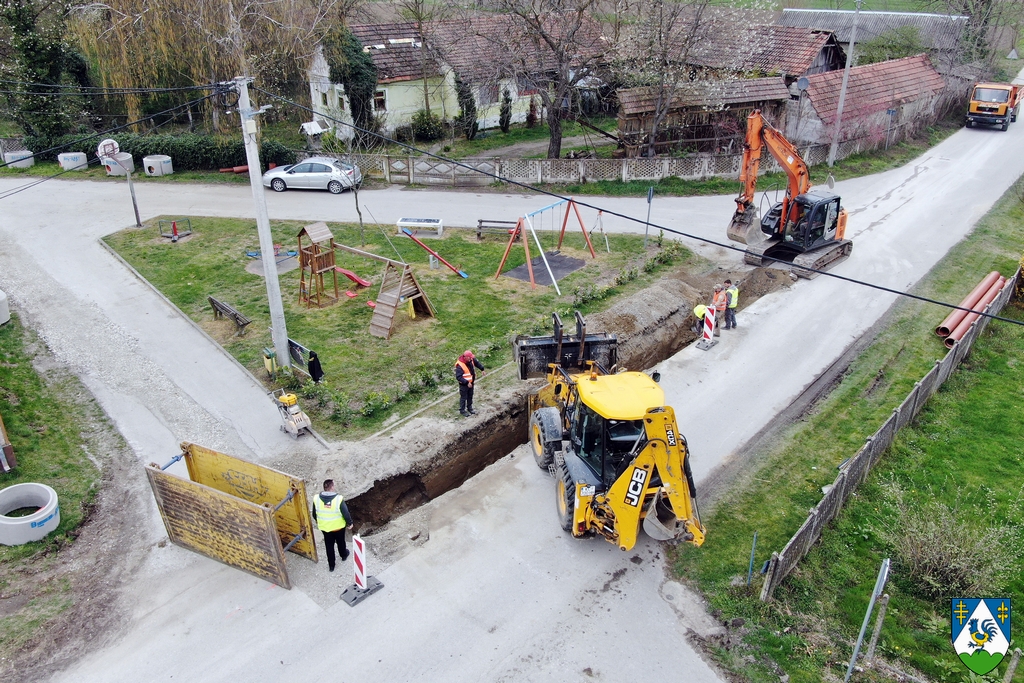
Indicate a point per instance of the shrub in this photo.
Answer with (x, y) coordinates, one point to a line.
(188, 151)
(505, 116)
(374, 402)
(532, 117)
(466, 119)
(949, 550)
(427, 126)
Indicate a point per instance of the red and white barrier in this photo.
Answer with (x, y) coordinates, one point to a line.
(364, 585)
(709, 323)
(359, 561)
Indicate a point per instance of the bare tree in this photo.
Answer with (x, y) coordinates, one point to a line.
(552, 46)
(423, 13)
(655, 51)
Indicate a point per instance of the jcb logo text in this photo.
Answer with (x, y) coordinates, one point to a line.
(636, 486)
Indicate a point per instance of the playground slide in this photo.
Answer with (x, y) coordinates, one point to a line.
(353, 277)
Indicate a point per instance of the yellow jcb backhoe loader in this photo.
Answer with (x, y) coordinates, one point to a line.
(609, 440)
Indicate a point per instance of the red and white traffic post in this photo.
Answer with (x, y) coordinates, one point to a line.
(364, 585)
(707, 336)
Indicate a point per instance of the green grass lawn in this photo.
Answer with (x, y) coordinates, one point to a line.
(367, 378)
(518, 133)
(965, 446)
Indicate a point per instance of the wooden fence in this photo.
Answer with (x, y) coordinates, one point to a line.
(856, 469)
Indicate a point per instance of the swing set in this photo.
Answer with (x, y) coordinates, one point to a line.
(526, 222)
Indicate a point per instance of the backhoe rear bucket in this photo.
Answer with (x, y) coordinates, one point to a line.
(661, 523)
(744, 227)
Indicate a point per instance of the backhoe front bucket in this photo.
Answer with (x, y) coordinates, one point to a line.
(744, 226)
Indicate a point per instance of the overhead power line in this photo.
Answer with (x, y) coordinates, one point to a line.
(632, 219)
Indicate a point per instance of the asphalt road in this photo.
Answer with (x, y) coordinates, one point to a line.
(497, 592)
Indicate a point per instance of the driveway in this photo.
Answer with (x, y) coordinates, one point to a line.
(497, 592)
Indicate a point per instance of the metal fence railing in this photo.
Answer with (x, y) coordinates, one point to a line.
(856, 468)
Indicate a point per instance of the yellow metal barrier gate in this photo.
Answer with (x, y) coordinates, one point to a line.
(234, 511)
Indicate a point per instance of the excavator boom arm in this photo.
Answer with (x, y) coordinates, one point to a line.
(762, 135)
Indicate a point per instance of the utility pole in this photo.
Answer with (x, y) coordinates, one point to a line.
(252, 156)
(842, 90)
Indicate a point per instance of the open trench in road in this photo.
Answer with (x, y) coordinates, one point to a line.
(651, 325)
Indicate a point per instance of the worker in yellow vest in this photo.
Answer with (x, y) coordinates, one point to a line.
(732, 295)
(332, 518)
(465, 374)
(698, 312)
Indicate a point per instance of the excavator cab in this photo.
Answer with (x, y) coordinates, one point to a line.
(815, 218)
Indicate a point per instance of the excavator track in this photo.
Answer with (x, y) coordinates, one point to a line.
(819, 259)
(822, 258)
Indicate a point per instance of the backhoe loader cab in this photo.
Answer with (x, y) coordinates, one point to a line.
(610, 441)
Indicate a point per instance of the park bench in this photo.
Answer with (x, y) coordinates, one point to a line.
(483, 225)
(221, 309)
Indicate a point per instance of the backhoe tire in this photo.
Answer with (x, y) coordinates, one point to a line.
(565, 492)
(545, 435)
(1006, 124)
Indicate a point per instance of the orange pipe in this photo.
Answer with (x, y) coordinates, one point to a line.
(953, 319)
(965, 324)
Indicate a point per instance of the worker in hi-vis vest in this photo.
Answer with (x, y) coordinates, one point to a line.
(698, 312)
(732, 295)
(465, 374)
(332, 518)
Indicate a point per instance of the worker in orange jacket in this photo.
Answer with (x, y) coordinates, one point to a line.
(465, 373)
(721, 302)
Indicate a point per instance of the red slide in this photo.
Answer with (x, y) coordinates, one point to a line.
(353, 277)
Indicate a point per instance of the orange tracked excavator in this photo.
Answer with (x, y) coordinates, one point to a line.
(805, 228)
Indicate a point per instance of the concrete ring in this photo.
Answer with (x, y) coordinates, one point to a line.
(33, 527)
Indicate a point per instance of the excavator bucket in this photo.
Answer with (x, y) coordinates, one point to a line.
(744, 226)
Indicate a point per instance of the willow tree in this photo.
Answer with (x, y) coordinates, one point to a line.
(141, 44)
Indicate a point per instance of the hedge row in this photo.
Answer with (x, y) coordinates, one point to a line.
(189, 151)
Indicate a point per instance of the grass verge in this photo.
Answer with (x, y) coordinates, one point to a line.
(46, 429)
(962, 451)
(369, 379)
(854, 166)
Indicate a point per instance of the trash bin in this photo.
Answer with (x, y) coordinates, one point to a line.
(270, 362)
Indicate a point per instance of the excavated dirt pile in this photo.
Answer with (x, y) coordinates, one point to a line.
(387, 475)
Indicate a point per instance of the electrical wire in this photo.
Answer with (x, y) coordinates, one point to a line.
(117, 128)
(96, 90)
(631, 219)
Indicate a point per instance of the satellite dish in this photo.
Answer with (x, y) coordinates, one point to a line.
(802, 83)
(108, 148)
(830, 181)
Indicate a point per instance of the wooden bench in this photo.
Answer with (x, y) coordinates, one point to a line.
(483, 225)
(221, 309)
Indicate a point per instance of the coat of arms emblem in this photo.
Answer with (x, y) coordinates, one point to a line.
(980, 631)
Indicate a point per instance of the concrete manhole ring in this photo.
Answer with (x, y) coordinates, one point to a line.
(33, 527)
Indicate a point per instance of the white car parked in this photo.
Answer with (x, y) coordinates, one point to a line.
(314, 173)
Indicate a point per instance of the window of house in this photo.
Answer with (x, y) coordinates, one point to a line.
(341, 102)
(487, 94)
(380, 101)
(526, 85)
(323, 98)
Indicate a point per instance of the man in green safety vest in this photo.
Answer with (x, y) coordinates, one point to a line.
(732, 297)
(332, 518)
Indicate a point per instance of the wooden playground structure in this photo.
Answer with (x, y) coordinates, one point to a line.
(397, 287)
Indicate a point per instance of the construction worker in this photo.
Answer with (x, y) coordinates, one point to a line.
(732, 294)
(465, 374)
(698, 312)
(721, 304)
(332, 518)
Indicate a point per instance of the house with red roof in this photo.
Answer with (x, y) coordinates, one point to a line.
(885, 100)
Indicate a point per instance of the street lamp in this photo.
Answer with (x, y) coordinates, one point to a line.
(842, 90)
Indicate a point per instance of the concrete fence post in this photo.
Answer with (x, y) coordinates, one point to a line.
(1012, 669)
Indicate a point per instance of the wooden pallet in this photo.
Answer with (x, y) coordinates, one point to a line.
(398, 287)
